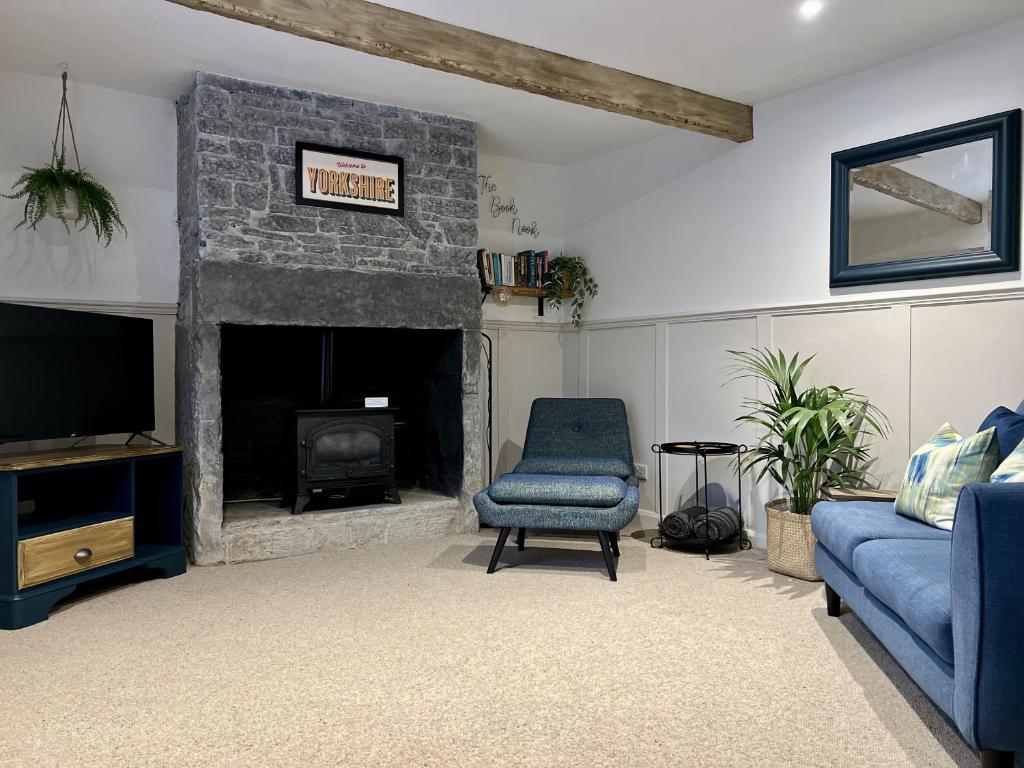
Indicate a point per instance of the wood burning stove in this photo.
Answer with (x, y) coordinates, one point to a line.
(336, 450)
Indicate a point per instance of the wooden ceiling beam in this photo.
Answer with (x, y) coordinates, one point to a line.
(381, 31)
(897, 183)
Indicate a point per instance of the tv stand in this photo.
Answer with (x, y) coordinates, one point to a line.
(73, 515)
(154, 440)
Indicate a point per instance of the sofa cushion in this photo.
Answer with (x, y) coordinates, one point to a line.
(1009, 429)
(575, 465)
(842, 526)
(939, 470)
(1011, 470)
(913, 579)
(561, 490)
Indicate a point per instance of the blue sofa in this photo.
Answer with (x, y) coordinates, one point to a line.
(576, 473)
(948, 606)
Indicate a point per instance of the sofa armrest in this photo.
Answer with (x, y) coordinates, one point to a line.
(988, 621)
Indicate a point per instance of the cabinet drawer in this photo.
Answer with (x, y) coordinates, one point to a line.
(50, 557)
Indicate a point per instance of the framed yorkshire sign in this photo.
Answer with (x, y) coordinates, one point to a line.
(333, 177)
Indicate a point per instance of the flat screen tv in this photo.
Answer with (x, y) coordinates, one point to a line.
(71, 374)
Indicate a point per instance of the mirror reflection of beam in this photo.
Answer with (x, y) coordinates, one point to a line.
(912, 189)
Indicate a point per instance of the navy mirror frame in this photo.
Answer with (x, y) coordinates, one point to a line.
(1005, 131)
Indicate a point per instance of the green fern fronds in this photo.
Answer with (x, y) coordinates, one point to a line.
(96, 206)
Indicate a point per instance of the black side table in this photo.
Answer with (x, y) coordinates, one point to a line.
(700, 452)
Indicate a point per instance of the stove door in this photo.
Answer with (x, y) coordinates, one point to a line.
(349, 448)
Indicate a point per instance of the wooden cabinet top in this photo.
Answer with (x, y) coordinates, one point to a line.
(60, 457)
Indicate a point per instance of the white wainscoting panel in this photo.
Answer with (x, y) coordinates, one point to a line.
(702, 402)
(529, 363)
(922, 360)
(868, 350)
(622, 364)
(966, 359)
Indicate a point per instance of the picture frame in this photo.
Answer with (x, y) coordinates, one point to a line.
(996, 247)
(349, 179)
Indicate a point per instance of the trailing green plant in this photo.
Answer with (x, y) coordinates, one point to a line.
(813, 438)
(570, 274)
(48, 188)
(65, 192)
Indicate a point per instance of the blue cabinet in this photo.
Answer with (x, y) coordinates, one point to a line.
(71, 516)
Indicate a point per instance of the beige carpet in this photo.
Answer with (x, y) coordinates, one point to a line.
(409, 655)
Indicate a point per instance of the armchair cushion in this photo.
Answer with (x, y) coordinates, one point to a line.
(578, 426)
(563, 490)
(575, 465)
(558, 516)
(912, 579)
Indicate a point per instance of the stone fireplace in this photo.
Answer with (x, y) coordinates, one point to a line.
(265, 281)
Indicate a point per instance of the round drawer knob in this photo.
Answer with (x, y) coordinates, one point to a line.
(83, 555)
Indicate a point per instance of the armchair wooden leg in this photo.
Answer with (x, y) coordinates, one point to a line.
(606, 549)
(613, 539)
(833, 602)
(521, 539)
(994, 758)
(502, 535)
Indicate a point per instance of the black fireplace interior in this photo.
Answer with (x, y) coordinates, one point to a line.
(269, 372)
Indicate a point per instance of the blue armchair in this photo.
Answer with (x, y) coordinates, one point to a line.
(577, 473)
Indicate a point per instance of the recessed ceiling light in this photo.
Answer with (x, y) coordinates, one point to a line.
(811, 8)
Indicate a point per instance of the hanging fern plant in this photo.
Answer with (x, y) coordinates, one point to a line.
(569, 274)
(70, 195)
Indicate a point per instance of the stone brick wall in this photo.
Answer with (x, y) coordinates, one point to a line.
(243, 138)
(250, 255)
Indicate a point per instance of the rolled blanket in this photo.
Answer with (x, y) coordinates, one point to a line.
(719, 524)
(677, 525)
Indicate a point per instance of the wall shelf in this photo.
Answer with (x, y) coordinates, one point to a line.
(533, 293)
(540, 294)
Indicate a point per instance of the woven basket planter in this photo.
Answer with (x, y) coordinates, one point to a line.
(790, 542)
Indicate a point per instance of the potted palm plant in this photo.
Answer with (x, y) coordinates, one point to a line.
(812, 439)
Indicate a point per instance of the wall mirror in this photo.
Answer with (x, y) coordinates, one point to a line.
(939, 203)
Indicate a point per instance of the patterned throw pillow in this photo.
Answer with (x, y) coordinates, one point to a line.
(1012, 468)
(940, 468)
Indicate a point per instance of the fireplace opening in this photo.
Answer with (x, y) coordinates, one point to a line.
(283, 384)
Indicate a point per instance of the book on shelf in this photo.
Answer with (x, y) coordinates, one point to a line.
(541, 259)
(485, 265)
(525, 269)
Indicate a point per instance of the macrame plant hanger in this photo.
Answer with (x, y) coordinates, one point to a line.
(64, 124)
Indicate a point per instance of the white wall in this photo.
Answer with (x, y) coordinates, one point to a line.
(129, 143)
(750, 226)
(537, 191)
(707, 246)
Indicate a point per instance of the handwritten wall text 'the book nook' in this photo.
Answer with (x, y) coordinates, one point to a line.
(499, 207)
